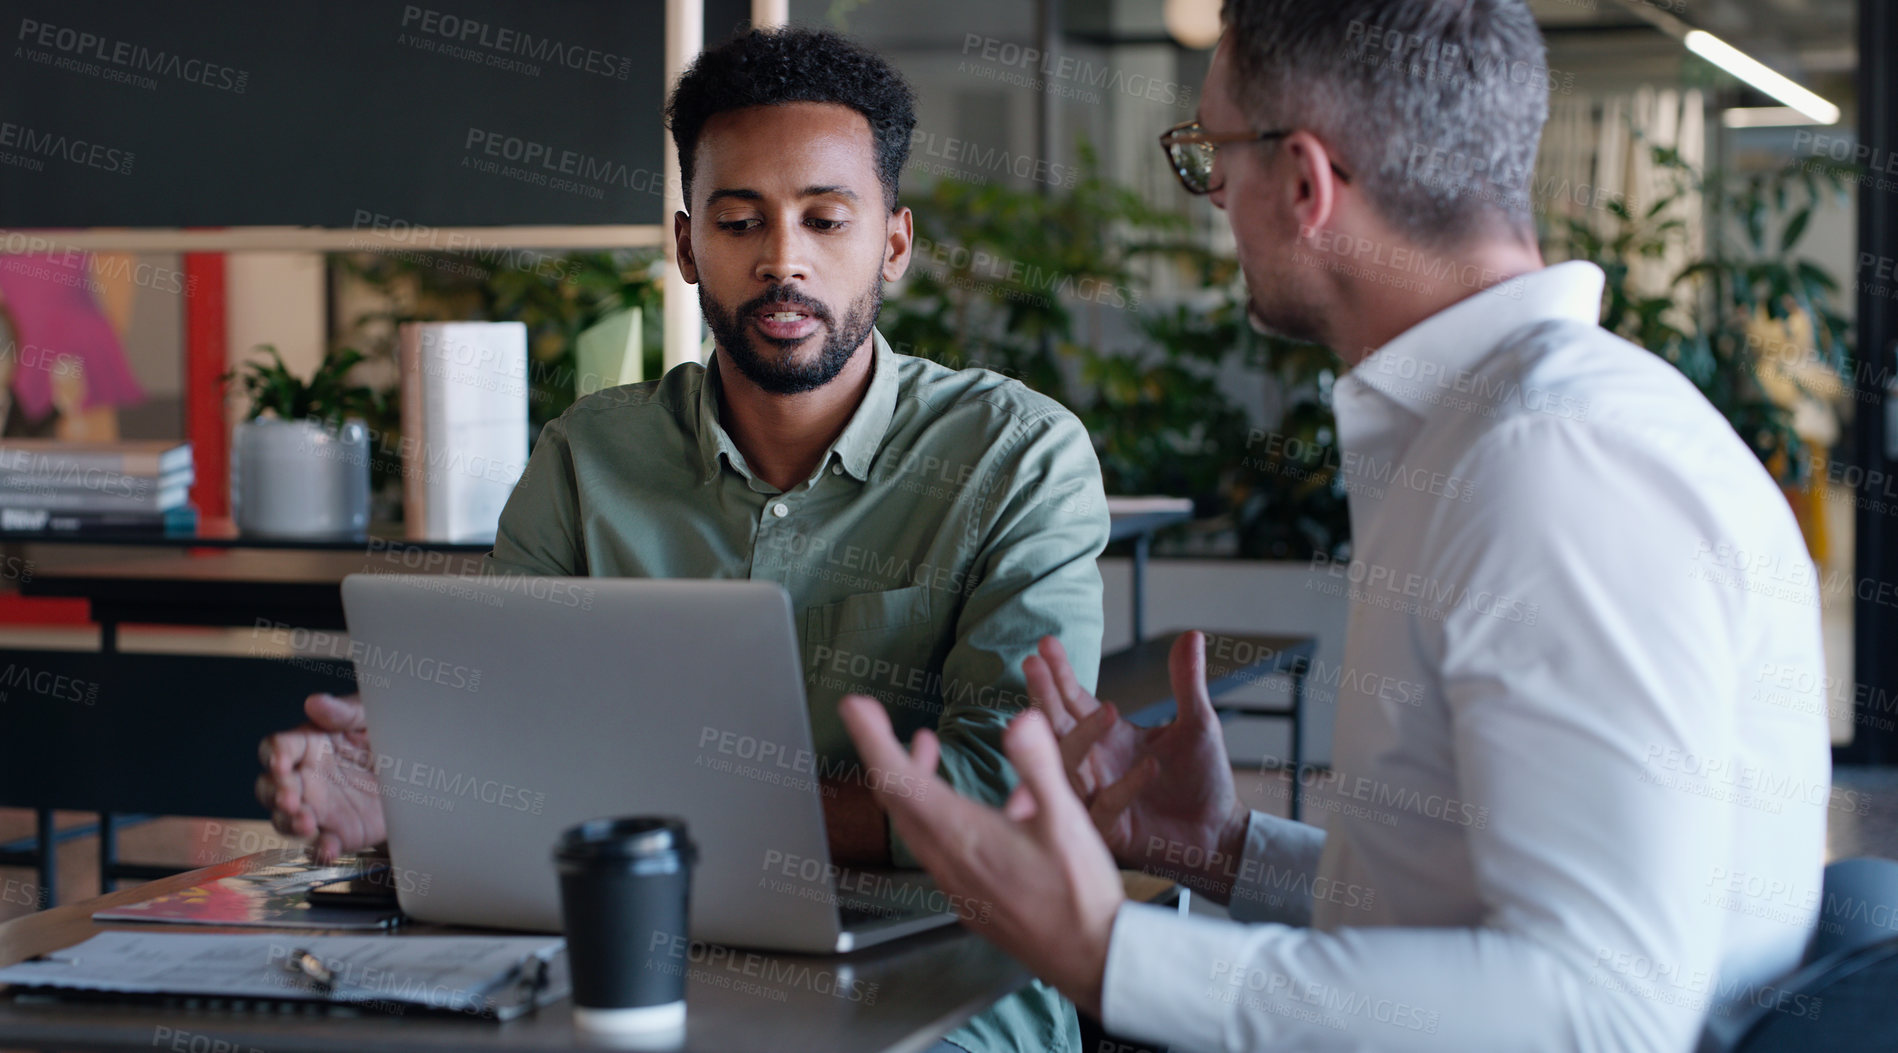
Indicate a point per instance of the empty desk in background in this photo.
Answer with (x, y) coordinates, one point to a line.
(1136, 680)
(1139, 528)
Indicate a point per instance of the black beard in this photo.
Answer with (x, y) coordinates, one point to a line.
(784, 376)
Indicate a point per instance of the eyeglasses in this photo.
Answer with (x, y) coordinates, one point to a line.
(1190, 149)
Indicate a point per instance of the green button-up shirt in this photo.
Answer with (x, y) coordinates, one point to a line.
(953, 523)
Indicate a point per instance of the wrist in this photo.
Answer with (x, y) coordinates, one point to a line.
(1226, 858)
(1091, 987)
(1232, 836)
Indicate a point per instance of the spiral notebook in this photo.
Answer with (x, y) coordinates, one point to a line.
(496, 977)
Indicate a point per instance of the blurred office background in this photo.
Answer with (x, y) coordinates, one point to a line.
(1748, 230)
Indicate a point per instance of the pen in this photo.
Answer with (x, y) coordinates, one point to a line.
(308, 966)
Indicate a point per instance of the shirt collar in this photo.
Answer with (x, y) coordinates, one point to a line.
(1455, 340)
(855, 448)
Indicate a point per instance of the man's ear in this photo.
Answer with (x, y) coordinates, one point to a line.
(1314, 186)
(682, 244)
(901, 236)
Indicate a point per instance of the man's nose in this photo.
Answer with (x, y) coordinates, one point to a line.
(784, 257)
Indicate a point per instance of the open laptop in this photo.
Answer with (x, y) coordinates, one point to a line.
(504, 709)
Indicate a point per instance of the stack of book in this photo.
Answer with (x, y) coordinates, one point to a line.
(132, 487)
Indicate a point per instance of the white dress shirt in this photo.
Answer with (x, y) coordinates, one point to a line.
(1603, 813)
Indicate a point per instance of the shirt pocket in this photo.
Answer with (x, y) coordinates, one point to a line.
(888, 645)
(892, 609)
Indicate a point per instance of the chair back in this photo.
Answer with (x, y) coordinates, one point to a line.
(1843, 998)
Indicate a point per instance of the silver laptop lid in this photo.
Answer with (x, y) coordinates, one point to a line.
(502, 710)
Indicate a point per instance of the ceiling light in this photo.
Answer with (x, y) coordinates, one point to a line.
(1756, 73)
(1194, 23)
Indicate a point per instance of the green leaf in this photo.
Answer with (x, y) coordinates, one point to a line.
(1795, 227)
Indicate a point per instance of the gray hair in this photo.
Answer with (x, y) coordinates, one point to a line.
(1434, 107)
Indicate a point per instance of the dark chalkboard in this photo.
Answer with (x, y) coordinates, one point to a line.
(338, 113)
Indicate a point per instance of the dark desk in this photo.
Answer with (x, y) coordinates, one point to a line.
(925, 986)
(223, 533)
(299, 587)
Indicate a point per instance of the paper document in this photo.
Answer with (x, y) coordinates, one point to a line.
(503, 975)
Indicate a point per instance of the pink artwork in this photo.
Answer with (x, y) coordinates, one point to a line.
(61, 331)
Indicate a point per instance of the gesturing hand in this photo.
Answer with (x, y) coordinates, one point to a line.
(1162, 798)
(318, 779)
(1032, 877)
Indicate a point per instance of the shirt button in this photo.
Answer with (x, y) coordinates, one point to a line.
(780, 510)
(836, 469)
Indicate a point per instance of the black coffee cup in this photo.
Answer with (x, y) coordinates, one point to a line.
(625, 891)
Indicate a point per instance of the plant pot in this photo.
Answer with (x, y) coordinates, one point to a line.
(300, 479)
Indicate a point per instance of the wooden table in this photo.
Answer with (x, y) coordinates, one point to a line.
(925, 986)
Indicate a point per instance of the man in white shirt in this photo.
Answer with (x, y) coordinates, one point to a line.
(1603, 816)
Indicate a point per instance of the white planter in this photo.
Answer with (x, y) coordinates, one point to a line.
(300, 479)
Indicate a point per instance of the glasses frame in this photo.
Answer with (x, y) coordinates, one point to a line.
(1194, 133)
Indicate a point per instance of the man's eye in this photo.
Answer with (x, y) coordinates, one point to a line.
(825, 224)
(737, 226)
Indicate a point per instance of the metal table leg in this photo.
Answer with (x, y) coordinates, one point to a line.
(108, 852)
(1298, 751)
(1141, 544)
(49, 857)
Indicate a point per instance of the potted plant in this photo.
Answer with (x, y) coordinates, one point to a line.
(300, 460)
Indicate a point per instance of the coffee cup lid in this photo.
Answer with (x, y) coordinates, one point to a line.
(627, 837)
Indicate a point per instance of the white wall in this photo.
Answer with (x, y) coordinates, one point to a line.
(274, 298)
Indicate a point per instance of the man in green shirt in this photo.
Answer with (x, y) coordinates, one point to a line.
(929, 524)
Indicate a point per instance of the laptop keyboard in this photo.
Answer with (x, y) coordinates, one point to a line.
(871, 899)
(854, 916)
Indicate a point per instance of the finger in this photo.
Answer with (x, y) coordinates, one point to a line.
(266, 790)
(284, 750)
(1076, 744)
(303, 823)
(336, 713)
(1045, 695)
(1122, 793)
(869, 726)
(281, 822)
(327, 848)
(1079, 702)
(1187, 665)
(286, 782)
(1031, 748)
(925, 751)
(1020, 805)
